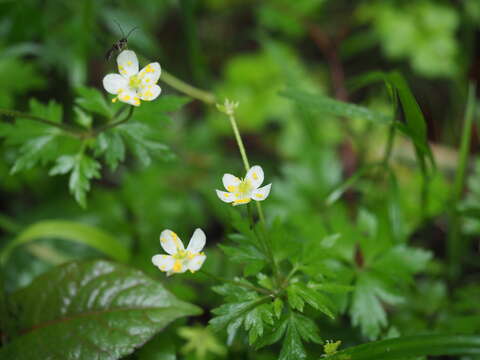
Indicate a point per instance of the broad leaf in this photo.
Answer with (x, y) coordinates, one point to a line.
(411, 346)
(72, 231)
(90, 310)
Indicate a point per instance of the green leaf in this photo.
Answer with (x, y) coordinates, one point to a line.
(314, 298)
(298, 328)
(415, 126)
(39, 143)
(72, 231)
(91, 310)
(111, 145)
(367, 310)
(410, 346)
(138, 136)
(93, 100)
(324, 105)
(230, 316)
(83, 169)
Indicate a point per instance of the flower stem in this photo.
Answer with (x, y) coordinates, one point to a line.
(113, 124)
(241, 147)
(188, 89)
(229, 109)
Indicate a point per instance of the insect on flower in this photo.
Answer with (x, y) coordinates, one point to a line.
(241, 191)
(130, 85)
(119, 45)
(180, 259)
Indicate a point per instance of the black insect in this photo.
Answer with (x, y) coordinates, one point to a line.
(119, 45)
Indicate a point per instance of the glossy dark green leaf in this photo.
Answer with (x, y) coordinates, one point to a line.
(410, 346)
(90, 310)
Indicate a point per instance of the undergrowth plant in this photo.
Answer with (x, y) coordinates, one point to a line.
(298, 272)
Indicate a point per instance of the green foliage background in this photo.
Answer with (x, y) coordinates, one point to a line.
(363, 117)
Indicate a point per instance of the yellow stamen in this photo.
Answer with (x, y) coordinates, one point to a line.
(177, 266)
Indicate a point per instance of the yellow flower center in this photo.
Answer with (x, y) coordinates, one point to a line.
(135, 82)
(244, 188)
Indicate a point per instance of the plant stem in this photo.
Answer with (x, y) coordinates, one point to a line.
(19, 114)
(268, 247)
(455, 247)
(389, 145)
(185, 88)
(113, 124)
(238, 138)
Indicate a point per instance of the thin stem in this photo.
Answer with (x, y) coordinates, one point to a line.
(266, 244)
(455, 247)
(185, 88)
(243, 153)
(239, 283)
(19, 114)
(389, 145)
(114, 123)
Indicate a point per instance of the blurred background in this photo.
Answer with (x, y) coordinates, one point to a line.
(248, 51)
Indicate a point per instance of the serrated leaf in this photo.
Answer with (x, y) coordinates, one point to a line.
(91, 310)
(255, 320)
(278, 307)
(111, 145)
(403, 261)
(93, 100)
(84, 170)
(294, 299)
(138, 136)
(314, 298)
(366, 310)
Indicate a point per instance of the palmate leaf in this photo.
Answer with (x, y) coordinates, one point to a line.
(90, 310)
(82, 170)
(367, 310)
(295, 329)
(250, 312)
(38, 143)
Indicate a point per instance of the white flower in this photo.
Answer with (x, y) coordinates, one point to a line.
(132, 86)
(180, 260)
(241, 191)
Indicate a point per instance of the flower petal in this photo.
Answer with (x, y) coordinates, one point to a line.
(225, 196)
(241, 201)
(170, 242)
(129, 97)
(114, 83)
(197, 262)
(230, 182)
(197, 242)
(150, 92)
(163, 262)
(150, 74)
(261, 193)
(127, 63)
(255, 176)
